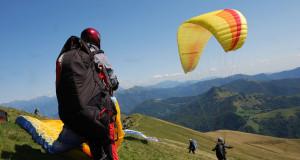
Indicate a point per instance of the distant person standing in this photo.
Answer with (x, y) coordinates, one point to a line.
(36, 111)
(3, 116)
(220, 149)
(192, 146)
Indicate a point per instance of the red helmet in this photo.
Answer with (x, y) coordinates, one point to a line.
(91, 35)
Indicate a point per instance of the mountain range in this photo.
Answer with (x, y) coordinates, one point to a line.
(264, 107)
(47, 106)
(249, 103)
(130, 98)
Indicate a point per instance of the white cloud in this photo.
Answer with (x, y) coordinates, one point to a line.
(50, 93)
(127, 83)
(158, 76)
(176, 74)
(264, 61)
(167, 75)
(213, 69)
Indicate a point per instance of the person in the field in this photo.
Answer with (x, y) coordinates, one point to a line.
(84, 85)
(220, 149)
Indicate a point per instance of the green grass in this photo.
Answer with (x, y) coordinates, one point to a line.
(16, 144)
(253, 124)
(246, 146)
(284, 112)
(256, 118)
(173, 140)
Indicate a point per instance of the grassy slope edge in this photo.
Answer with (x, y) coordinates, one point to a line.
(16, 144)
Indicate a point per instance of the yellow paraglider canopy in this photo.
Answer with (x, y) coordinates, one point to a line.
(228, 26)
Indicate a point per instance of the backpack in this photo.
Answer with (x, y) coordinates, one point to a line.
(78, 88)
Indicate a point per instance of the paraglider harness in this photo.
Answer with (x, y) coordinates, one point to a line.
(76, 43)
(104, 76)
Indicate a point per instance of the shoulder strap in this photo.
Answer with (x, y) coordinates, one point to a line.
(71, 43)
(85, 48)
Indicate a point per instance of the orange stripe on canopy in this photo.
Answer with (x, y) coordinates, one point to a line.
(234, 21)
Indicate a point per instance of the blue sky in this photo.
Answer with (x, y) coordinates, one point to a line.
(139, 37)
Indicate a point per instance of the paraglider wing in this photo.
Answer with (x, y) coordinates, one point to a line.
(228, 26)
(140, 134)
(119, 128)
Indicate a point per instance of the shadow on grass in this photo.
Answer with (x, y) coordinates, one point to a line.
(136, 139)
(26, 152)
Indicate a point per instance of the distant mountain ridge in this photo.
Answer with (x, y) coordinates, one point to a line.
(47, 106)
(171, 84)
(129, 98)
(272, 87)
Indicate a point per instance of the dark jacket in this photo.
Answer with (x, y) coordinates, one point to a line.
(80, 92)
(192, 145)
(84, 102)
(220, 149)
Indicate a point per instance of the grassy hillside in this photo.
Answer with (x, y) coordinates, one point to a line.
(16, 144)
(246, 146)
(252, 146)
